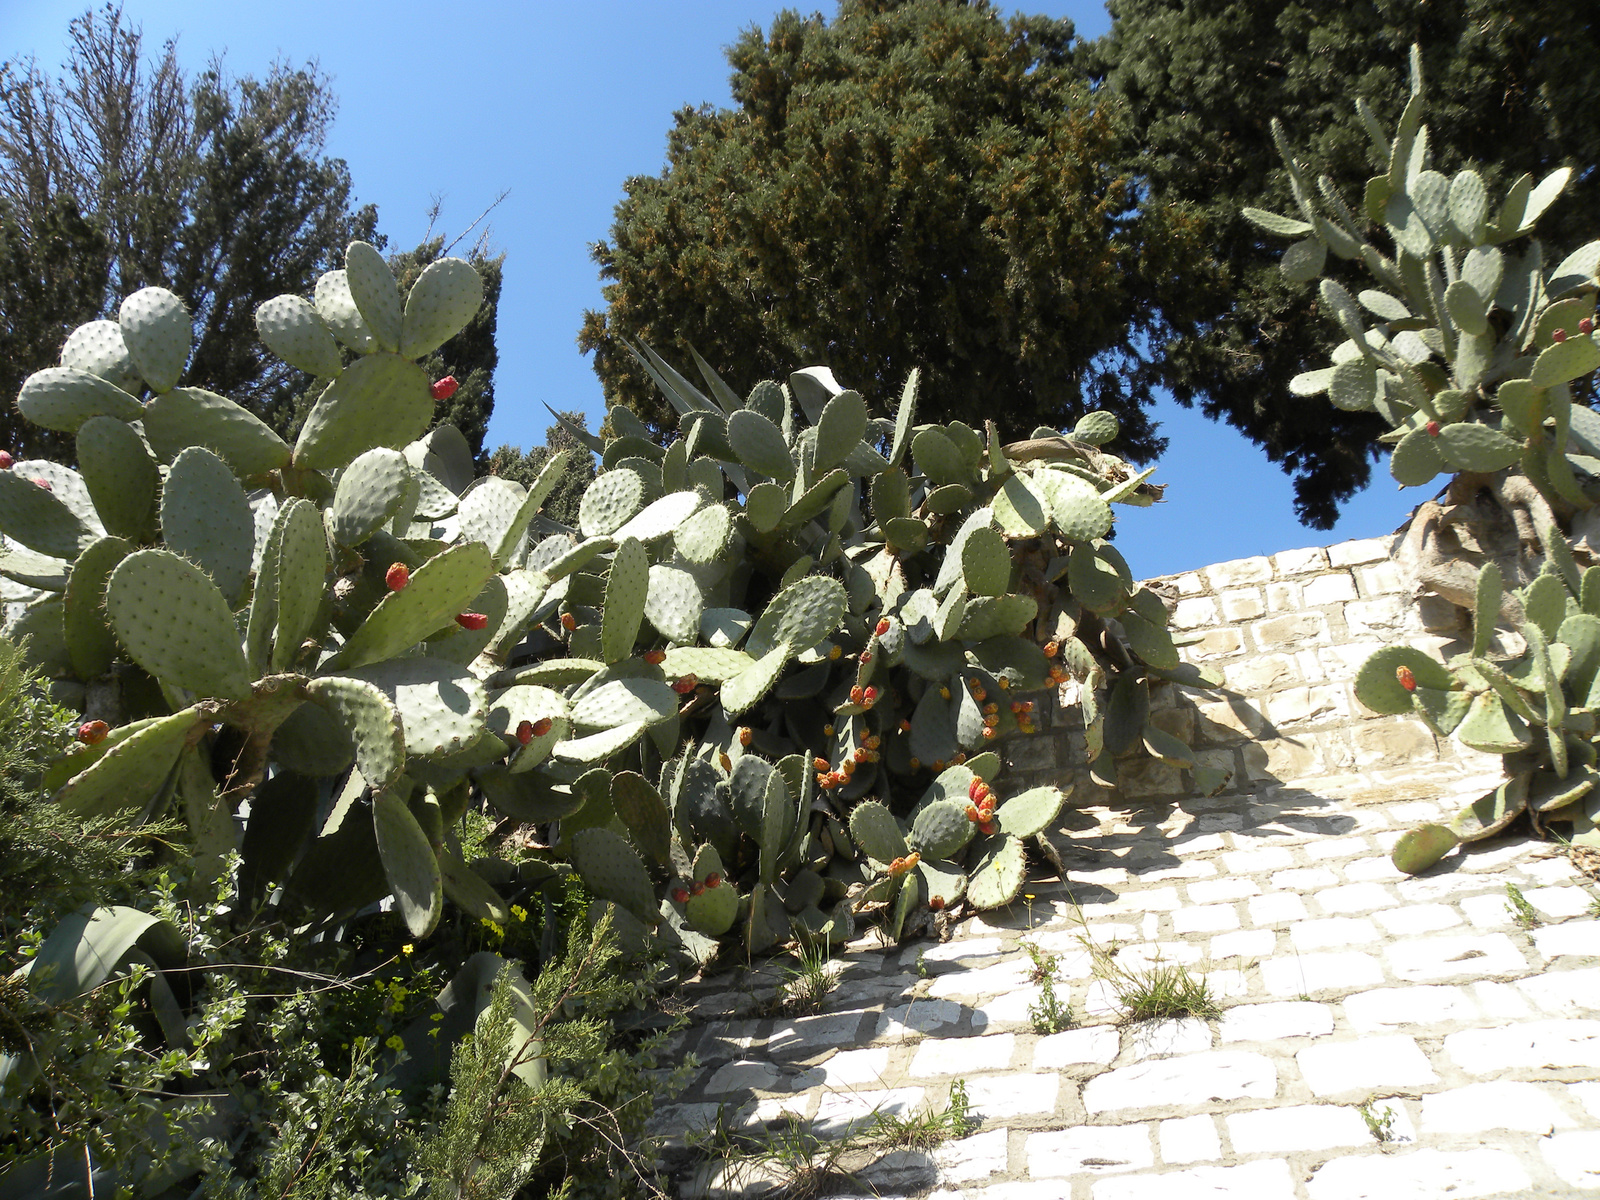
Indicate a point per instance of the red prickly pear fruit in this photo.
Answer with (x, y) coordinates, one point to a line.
(680, 894)
(444, 388)
(727, 763)
(6, 460)
(44, 483)
(1558, 335)
(746, 735)
(883, 627)
(654, 657)
(472, 621)
(686, 685)
(525, 732)
(856, 694)
(1406, 678)
(1432, 428)
(569, 622)
(1586, 325)
(936, 903)
(698, 889)
(869, 697)
(972, 812)
(542, 726)
(988, 733)
(1051, 649)
(905, 725)
(820, 764)
(713, 880)
(397, 576)
(866, 656)
(92, 733)
(987, 827)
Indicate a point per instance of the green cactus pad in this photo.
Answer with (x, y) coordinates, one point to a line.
(986, 562)
(195, 417)
(612, 870)
(905, 416)
(877, 833)
(121, 477)
(1094, 579)
(376, 295)
(660, 517)
(337, 308)
(158, 331)
(1416, 459)
(644, 813)
(674, 604)
(708, 664)
(992, 616)
(34, 570)
(1031, 812)
(39, 520)
(941, 829)
(370, 490)
(816, 498)
(206, 517)
(133, 770)
(439, 589)
(623, 702)
(176, 624)
(937, 458)
(441, 302)
(39, 630)
(998, 867)
(891, 495)
(1564, 361)
(98, 347)
(1418, 849)
(1472, 447)
(1079, 511)
(801, 615)
(63, 398)
(627, 587)
(1492, 727)
(1442, 711)
(933, 729)
(703, 538)
(942, 881)
(609, 502)
(765, 505)
(1493, 811)
(441, 705)
(839, 430)
(463, 646)
(715, 909)
(1544, 601)
(299, 571)
(490, 510)
(1096, 428)
(750, 686)
(469, 891)
(369, 720)
(408, 863)
(760, 445)
(951, 498)
(1378, 687)
(310, 742)
(292, 330)
(1020, 509)
(89, 639)
(1127, 709)
(1151, 642)
(379, 400)
(531, 703)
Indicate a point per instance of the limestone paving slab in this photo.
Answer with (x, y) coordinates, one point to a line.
(1348, 993)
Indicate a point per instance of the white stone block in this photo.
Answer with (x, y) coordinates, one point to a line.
(1298, 1127)
(1575, 1157)
(852, 1068)
(1217, 891)
(1501, 1001)
(1329, 589)
(970, 1159)
(1195, 612)
(1396, 1008)
(955, 950)
(1276, 908)
(1284, 597)
(1453, 956)
(1239, 572)
(1547, 871)
(1420, 1175)
(1003, 1097)
(1307, 974)
(1242, 604)
(1189, 1139)
(1355, 898)
(1488, 912)
(1480, 1107)
(1533, 1045)
(1300, 562)
(1246, 943)
(1420, 918)
(840, 1112)
(1009, 1010)
(1163, 1039)
(918, 1017)
(1580, 938)
(982, 981)
(1558, 903)
(1089, 1149)
(1564, 993)
(1214, 1075)
(1266, 1179)
(1188, 584)
(1340, 847)
(1205, 918)
(1331, 932)
(1257, 861)
(1586, 1094)
(1365, 1064)
(1276, 1020)
(1096, 1044)
(1149, 900)
(960, 1056)
(1378, 869)
(1380, 578)
(1366, 550)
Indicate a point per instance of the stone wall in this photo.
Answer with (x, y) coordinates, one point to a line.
(1288, 633)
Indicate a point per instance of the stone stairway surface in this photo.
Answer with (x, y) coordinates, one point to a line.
(1344, 986)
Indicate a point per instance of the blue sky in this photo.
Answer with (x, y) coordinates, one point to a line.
(560, 103)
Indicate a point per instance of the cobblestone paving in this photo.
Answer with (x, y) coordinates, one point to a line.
(1347, 990)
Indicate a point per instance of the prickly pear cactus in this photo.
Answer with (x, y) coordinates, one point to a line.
(1478, 356)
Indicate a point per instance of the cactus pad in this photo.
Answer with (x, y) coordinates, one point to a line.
(206, 517)
(660, 517)
(992, 616)
(370, 490)
(609, 502)
(292, 330)
(195, 417)
(876, 832)
(337, 308)
(985, 562)
(379, 400)
(130, 773)
(624, 701)
(1029, 813)
(441, 302)
(627, 587)
(1491, 726)
(715, 909)
(441, 705)
(98, 347)
(800, 615)
(760, 445)
(703, 538)
(158, 331)
(408, 863)
(1076, 506)
(176, 624)
(1379, 688)
(121, 476)
(63, 398)
(997, 870)
(941, 829)
(369, 720)
(644, 813)
(751, 685)
(38, 520)
(439, 589)
(89, 639)
(299, 570)
(612, 870)
(375, 293)
(1096, 428)
(674, 604)
(1419, 848)
(1020, 509)
(840, 428)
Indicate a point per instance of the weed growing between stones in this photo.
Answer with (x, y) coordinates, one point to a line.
(1380, 1121)
(1048, 1014)
(1520, 911)
(809, 981)
(1162, 992)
